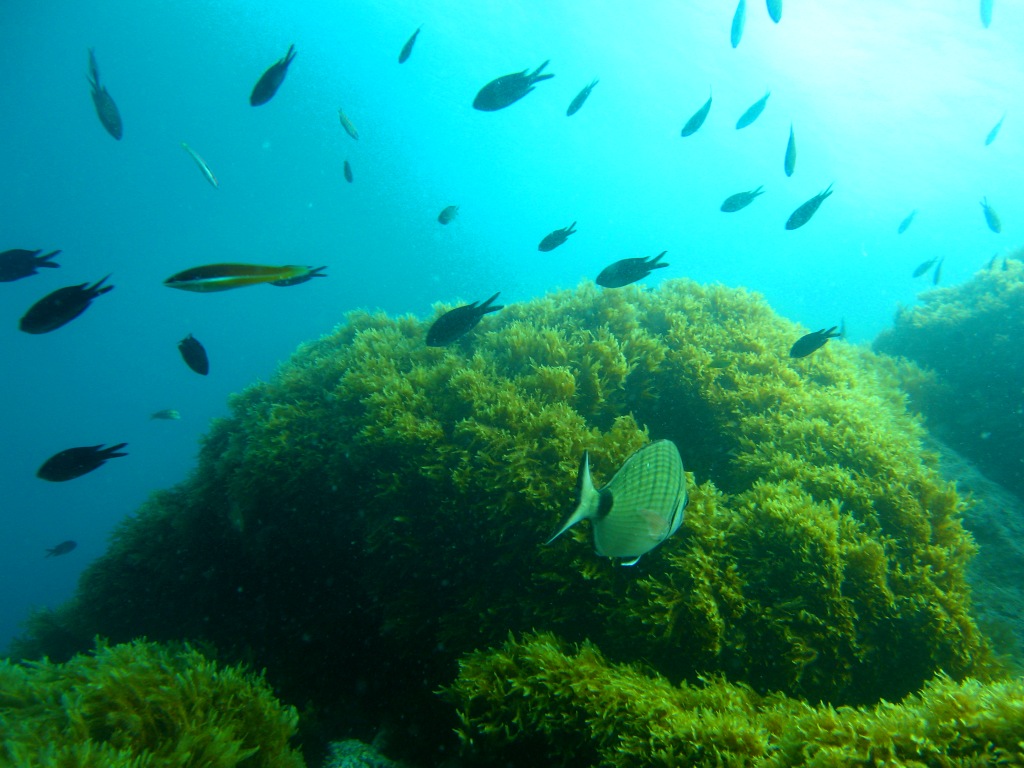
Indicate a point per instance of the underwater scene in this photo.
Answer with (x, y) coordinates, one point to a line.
(439, 384)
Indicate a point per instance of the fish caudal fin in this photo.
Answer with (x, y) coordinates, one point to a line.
(588, 500)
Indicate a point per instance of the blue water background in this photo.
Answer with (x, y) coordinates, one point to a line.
(891, 101)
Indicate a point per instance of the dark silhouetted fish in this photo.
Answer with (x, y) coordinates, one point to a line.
(790, 163)
(75, 462)
(271, 80)
(991, 217)
(347, 124)
(508, 89)
(224, 277)
(775, 10)
(406, 52)
(61, 549)
(986, 13)
(106, 109)
(18, 263)
(457, 322)
(924, 266)
(937, 274)
(348, 172)
(813, 341)
(739, 18)
(167, 414)
(803, 214)
(576, 103)
(556, 238)
(753, 112)
(318, 272)
(740, 200)
(995, 131)
(626, 271)
(905, 224)
(194, 355)
(449, 213)
(61, 307)
(697, 119)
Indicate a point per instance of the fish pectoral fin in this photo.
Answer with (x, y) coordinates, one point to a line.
(657, 525)
(634, 561)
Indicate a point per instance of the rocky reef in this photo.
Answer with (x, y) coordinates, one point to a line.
(378, 509)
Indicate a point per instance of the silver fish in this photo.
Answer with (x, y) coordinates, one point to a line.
(640, 507)
(905, 224)
(753, 112)
(207, 173)
(738, 20)
(350, 129)
(697, 119)
(991, 217)
(995, 131)
(775, 10)
(790, 164)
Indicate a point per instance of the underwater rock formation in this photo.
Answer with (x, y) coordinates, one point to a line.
(379, 507)
(140, 704)
(970, 335)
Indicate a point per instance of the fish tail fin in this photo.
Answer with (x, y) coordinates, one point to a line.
(536, 76)
(290, 55)
(486, 306)
(588, 500)
(655, 262)
(572, 228)
(94, 69)
(113, 451)
(99, 288)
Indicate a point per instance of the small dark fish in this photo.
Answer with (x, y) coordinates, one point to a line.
(738, 20)
(790, 164)
(986, 13)
(167, 414)
(457, 322)
(271, 80)
(775, 10)
(753, 112)
(812, 341)
(991, 217)
(449, 213)
(348, 172)
(575, 104)
(300, 278)
(924, 266)
(106, 109)
(75, 462)
(803, 214)
(508, 89)
(61, 549)
(740, 200)
(995, 131)
(61, 307)
(194, 355)
(556, 238)
(406, 51)
(18, 263)
(938, 271)
(697, 119)
(905, 224)
(626, 271)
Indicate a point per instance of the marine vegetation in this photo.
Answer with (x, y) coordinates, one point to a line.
(380, 507)
(969, 334)
(534, 702)
(140, 704)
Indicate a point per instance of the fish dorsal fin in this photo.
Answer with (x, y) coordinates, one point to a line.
(588, 500)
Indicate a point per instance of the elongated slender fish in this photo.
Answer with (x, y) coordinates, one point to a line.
(803, 214)
(347, 170)
(775, 10)
(271, 80)
(905, 224)
(106, 109)
(740, 200)
(991, 217)
(995, 131)
(697, 119)
(350, 129)
(739, 18)
(790, 163)
(203, 167)
(938, 271)
(753, 112)
(508, 89)
(986, 13)
(224, 277)
(406, 52)
(641, 506)
(576, 103)
(924, 266)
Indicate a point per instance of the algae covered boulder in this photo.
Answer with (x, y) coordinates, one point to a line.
(970, 335)
(380, 507)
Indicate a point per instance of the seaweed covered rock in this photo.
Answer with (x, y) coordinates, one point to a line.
(534, 701)
(970, 335)
(379, 508)
(140, 704)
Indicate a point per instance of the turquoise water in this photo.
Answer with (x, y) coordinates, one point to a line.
(890, 103)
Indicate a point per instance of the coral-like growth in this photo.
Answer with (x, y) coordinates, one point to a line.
(970, 334)
(139, 704)
(534, 702)
(379, 507)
